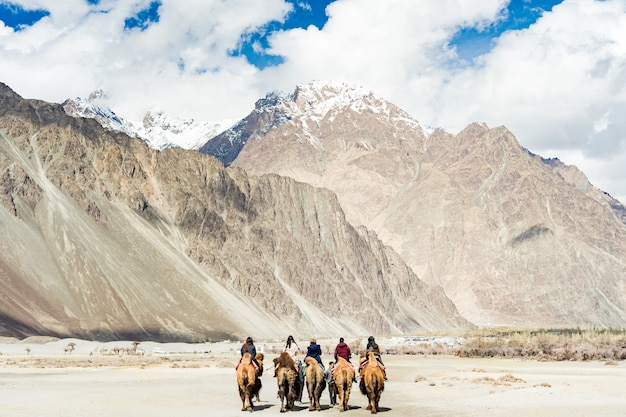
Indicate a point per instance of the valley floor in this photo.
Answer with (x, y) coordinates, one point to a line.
(199, 380)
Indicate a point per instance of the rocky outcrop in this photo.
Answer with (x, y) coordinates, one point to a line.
(514, 239)
(103, 237)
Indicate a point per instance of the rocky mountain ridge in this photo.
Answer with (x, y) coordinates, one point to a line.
(104, 238)
(511, 237)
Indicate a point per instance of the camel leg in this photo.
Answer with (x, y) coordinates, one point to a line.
(309, 389)
(242, 395)
(246, 400)
(370, 401)
(373, 402)
(249, 396)
(281, 394)
(340, 394)
(291, 399)
(346, 396)
(316, 402)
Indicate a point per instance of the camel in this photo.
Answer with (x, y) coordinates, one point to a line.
(288, 381)
(249, 384)
(343, 374)
(372, 381)
(315, 382)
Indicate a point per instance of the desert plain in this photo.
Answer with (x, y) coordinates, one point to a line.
(41, 377)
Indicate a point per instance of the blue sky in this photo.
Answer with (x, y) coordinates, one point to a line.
(470, 41)
(520, 14)
(552, 71)
(253, 44)
(144, 17)
(16, 17)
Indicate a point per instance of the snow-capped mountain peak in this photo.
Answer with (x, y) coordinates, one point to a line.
(157, 129)
(93, 107)
(305, 113)
(161, 131)
(318, 100)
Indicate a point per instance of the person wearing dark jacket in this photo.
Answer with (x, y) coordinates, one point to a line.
(342, 350)
(330, 382)
(372, 346)
(315, 351)
(249, 347)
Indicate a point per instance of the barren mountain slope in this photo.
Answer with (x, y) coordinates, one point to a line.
(103, 237)
(511, 237)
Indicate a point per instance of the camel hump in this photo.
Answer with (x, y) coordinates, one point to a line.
(285, 360)
(246, 359)
(310, 361)
(372, 357)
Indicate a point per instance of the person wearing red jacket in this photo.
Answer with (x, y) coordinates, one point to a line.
(343, 350)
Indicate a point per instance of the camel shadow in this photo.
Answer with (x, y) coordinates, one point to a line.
(350, 407)
(300, 407)
(358, 407)
(261, 407)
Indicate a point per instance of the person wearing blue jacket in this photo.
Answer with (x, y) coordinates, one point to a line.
(315, 351)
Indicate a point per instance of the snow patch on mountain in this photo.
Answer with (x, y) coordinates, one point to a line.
(325, 100)
(158, 130)
(93, 107)
(307, 108)
(161, 131)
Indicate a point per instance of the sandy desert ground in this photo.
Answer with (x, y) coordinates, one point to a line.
(39, 379)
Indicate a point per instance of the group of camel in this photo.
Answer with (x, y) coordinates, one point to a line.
(372, 381)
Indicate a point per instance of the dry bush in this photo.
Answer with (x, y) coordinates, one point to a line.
(510, 379)
(484, 379)
(425, 349)
(548, 345)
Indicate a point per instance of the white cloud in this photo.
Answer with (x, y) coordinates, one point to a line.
(72, 51)
(559, 86)
(385, 45)
(304, 6)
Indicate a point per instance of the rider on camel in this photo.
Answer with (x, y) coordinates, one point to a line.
(315, 351)
(372, 346)
(343, 350)
(249, 347)
(291, 347)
